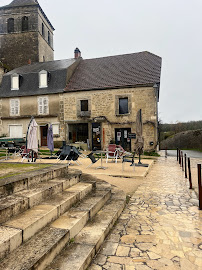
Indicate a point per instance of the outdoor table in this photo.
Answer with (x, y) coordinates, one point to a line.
(101, 152)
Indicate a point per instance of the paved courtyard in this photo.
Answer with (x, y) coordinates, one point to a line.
(160, 228)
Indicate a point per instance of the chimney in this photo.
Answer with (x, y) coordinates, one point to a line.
(77, 53)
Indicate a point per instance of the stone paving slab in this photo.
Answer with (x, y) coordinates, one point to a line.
(160, 228)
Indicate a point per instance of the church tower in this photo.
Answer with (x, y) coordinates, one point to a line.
(26, 34)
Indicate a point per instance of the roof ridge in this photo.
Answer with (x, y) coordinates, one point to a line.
(143, 52)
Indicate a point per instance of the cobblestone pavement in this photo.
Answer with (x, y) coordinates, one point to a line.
(160, 228)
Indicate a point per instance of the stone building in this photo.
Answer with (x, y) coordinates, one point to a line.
(93, 101)
(24, 22)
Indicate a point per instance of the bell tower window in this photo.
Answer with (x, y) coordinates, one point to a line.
(48, 37)
(25, 24)
(42, 30)
(10, 25)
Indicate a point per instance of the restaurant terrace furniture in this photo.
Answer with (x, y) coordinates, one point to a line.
(112, 152)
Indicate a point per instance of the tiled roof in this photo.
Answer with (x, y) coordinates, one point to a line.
(126, 70)
(30, 79)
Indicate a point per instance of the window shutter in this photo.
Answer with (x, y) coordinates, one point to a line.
(40, 105)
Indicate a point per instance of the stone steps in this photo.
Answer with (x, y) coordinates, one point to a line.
(79, 254)
(57, 223)
(33, 220)
(40, 250)
(20, 201)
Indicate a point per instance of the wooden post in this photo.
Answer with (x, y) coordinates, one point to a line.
(199, 186)
(177, 154)
(189, 170)
(182, 161)
(185, 165)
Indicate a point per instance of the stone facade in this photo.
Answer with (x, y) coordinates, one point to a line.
(34, 44)
(28, 108)
(104, 109)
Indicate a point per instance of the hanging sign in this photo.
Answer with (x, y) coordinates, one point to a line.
(132, 135)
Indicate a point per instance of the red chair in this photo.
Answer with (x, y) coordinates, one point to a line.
(112, 152)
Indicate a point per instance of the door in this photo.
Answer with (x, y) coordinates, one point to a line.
(121, 138)
(15, 131)
(44, 132)
(96, 136)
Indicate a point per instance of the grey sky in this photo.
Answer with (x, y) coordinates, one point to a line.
(168, 28)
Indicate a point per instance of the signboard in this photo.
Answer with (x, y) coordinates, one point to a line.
(132, 135)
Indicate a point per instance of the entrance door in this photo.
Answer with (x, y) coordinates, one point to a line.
(44, 131)
(121, 137)
(96, 136)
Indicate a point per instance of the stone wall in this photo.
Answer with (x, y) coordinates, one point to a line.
(105, 103)
(18, 47)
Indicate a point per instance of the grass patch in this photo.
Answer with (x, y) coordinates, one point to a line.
(151, 154)
(12, 169)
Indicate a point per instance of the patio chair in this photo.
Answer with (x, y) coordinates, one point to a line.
(112, 153)
(128, 158)
(69, 153)
(122, 151)
(92, 158)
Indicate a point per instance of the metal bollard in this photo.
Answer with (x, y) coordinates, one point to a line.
(179, 157)
(182, 161)
(189, 170)
(185, 165)
(177, 154)
(199, 186)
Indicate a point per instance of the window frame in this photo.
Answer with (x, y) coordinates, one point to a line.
(123, 109)
(42, 29)
(10, 26)
(42, 106)
(13, 107)
(25, 24)
(15, 75)
(87, 104)
(41, 73)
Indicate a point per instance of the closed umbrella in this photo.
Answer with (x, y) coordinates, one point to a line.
(32, 138)
(50, 142)
(139, 142)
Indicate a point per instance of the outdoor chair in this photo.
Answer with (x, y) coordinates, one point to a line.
(69, 153)
(122, 151)
(128, 158)
(92, 158)
(112, 153)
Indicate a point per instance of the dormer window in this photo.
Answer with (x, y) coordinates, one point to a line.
(15, 82)
(43, 79)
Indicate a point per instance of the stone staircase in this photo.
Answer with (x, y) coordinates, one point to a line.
(55, 218)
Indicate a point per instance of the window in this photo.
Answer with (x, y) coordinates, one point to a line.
(43, 105)
(15, 82)
(42, 29)
(48, 37)
(56, 129)
(14, 107)
(43, 79)
(25, 24)
(15, 131)
(84, 105)
(123, 105)
(10, 25)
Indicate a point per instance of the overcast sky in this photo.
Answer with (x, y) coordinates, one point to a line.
(168, 28)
